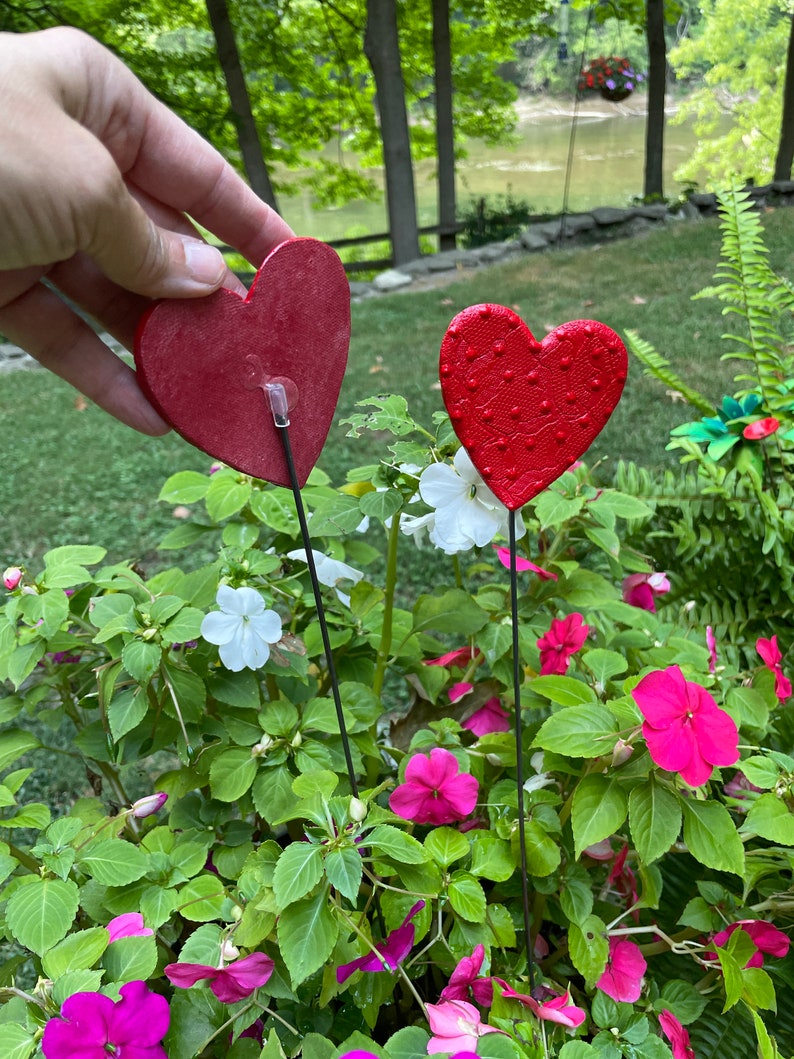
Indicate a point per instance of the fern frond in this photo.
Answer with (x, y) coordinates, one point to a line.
(658, 368)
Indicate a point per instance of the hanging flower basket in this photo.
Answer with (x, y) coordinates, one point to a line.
(614, 77)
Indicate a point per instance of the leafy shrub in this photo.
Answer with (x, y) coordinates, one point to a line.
(494, 220)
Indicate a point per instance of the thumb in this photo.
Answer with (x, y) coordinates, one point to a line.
(142, 257)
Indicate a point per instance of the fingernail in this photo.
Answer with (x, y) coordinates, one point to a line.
(205, 263)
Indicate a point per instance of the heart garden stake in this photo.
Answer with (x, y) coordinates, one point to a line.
(525, 411)
(254, 381)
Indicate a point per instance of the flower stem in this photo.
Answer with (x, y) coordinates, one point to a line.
(384, 647)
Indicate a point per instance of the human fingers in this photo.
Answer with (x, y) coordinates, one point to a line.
(38, 321)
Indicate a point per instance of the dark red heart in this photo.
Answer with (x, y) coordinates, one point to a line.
(526, 410)
(204, 363)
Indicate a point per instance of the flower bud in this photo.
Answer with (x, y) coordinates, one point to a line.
(261, 748)
(229, 951)
(621, 752)
(11, 577)
(152, 803)
(296, 740)
(358, 810)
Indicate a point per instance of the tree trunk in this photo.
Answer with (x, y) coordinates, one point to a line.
(657, 78)
(382, 49)
(785, 150)
(247, 132)
(445, 130)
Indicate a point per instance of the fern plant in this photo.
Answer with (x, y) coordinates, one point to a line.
(726, 520)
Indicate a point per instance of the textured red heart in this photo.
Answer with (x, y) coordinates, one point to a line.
(526, 410)
(205, 363)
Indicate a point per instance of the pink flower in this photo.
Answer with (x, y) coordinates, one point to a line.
(462, 657)
(622, 978)
(129, 925)
(149, 805)
(711, 644)
(640, 590)
(684, 728)
(229, 984)
(601, 850)
(523, 564)
(770, 653)
(676, 1035)
(92, 1026)
(434, 791)
(390, 953)
(559, 1009)
(563, 639)
(761, 428)
(465, 981)
(459, 691)
(765, 936)
(739, 787)
(11, 577)
(357, 1054)
(455, 1024)
(492, 717)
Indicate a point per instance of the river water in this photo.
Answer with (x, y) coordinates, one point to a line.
(607, 168)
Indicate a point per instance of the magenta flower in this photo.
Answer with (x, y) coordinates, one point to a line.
(765, 936)
(92, 1026)
(149, 805)
(685, 730)
(563, 639)
(229, 984)
(770, 653)
(435, 791)
(459, 691)
(523, 564)
(11, 577)
(641, 590)
(390, 953)
(465, 982)
(555, 1008)
(676, 1035)
(129, 925)
(358, 1054)
(461, 657)
(761, 428)
(622, 977)
(455, 1024)
(711, 644)
(492, 717)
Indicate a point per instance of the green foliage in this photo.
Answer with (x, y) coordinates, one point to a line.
(493, 221)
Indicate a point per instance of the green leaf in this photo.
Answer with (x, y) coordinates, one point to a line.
(114, 862)
(185, 487)
(17, 1041)
(654, 818)
(343, 869)
(748, 707)
(126, 711)
(467, 897)
(732, 978)
(598, 810)
(564, 691)
(141, 660)
(588, 947)
(446, 846)
(711, 837)
(307, 933)
(41, 913)
(604, 664)
(157, 904)
(770, 818)
(543, 854)
(407, 1043)
(552, 509)
(454, 611)
(759, 989)
(579, 1050)
(232, 773)
(202, 899)
(576, 900)
(680, 997)
(298, 871)
(34, 815)
(491, 856)
(391, 414)
(77, 952)
(15, 743)
(131, 959)
(763, 772)
(381, 504)
(579, 731)
(389, 841)
(227, 494)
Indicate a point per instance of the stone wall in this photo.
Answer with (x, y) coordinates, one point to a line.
(575, 229)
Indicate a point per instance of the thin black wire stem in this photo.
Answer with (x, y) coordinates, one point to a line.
(519, 733)
(318, 599)
(572, 138)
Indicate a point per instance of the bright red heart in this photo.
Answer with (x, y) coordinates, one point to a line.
(204, 363)
(526, 410)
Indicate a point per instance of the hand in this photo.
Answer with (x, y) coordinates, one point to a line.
(98, 181)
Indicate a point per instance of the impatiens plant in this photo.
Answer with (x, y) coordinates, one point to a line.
(237, 874)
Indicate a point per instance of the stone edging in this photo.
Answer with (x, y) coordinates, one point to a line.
(576, 229)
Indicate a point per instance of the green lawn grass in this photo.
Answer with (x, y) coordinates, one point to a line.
(77, 476)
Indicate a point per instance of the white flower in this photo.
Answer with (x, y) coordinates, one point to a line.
(329, 571)
(242, 628)
(467, 514)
